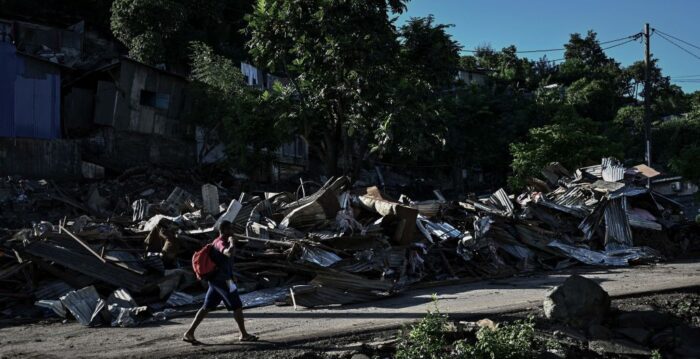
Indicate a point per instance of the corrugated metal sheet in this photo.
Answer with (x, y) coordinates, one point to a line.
(618, 258)
(55, 305)
(179, 299)
(319, 256)
(501, 201)
(52, 290)
(37, 158)
(618, 234)
(441, 230)
(88, 265)
(264, 297)
(628, 191)
(85, 305)
(591, 171)
(325, 296)
(589, 224)
(612, 170)
(30, 96)
(121, 298)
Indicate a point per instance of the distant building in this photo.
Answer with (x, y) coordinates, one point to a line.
(289, 159)
(30, 118)
(675, 188)
(474, 77)
(133, 96)
(681, 191)
(30, 95)
(138, 112)
(54, 44)
(257, 78)
(112, 111)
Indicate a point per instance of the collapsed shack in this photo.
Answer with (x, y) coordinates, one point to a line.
(132, 262)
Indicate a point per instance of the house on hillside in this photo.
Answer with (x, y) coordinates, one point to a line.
(472, 77)
(30, 117)
(135, 114)
(289, 159)
(58, 45)
(69, 101)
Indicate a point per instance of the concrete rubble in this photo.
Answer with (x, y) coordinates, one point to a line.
(119, 252)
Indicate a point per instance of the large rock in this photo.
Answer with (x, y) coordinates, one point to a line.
(578, 301)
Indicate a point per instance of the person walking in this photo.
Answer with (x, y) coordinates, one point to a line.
(222, 287)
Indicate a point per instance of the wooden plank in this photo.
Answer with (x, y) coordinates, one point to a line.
(83, 244)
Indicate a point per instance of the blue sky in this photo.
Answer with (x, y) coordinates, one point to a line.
(546, 24)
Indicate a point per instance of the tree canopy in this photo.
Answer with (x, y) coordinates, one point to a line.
(363, 89)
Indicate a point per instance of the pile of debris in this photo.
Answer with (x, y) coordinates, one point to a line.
(23, 201)
(338, 245)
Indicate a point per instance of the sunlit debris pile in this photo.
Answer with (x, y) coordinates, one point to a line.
(338, 245)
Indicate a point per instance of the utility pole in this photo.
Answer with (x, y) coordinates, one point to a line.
(647, 94)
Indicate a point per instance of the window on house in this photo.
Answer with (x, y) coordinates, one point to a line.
(154, 99)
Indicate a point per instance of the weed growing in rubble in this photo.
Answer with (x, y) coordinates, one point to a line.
(509, 341)
(425, 339)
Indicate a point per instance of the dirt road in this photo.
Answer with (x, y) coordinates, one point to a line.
(279, 325)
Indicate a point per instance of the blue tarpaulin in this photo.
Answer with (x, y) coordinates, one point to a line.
(30, 96)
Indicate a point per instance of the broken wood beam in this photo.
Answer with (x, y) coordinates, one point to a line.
(83, 244)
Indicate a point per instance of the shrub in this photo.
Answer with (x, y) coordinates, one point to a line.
(510, 341)
(425, 339)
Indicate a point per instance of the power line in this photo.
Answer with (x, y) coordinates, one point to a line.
(673, 37)
(684, 76)
(679, 46)
(629, 38)
(620, 44)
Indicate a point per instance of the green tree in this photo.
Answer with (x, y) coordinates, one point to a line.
(251, 123)
(667, 99)
(595, 99)
(340, 56)
(158, 31)
(676, 144)
(587, 50)
(428, 52)
(686, 162)
(571, 140)
(147, 26)
(504, 66)
(415, 129)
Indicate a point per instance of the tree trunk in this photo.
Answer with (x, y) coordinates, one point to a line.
(330, 158)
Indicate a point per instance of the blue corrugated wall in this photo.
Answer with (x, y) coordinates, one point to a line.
(30, 101)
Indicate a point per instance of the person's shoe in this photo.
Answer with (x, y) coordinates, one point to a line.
(248, 338)
(189, 339)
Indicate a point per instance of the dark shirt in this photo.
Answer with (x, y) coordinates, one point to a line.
(224, 264)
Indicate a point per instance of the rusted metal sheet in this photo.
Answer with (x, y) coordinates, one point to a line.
(37, 158)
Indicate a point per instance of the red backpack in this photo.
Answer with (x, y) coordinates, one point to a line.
(202, 263)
